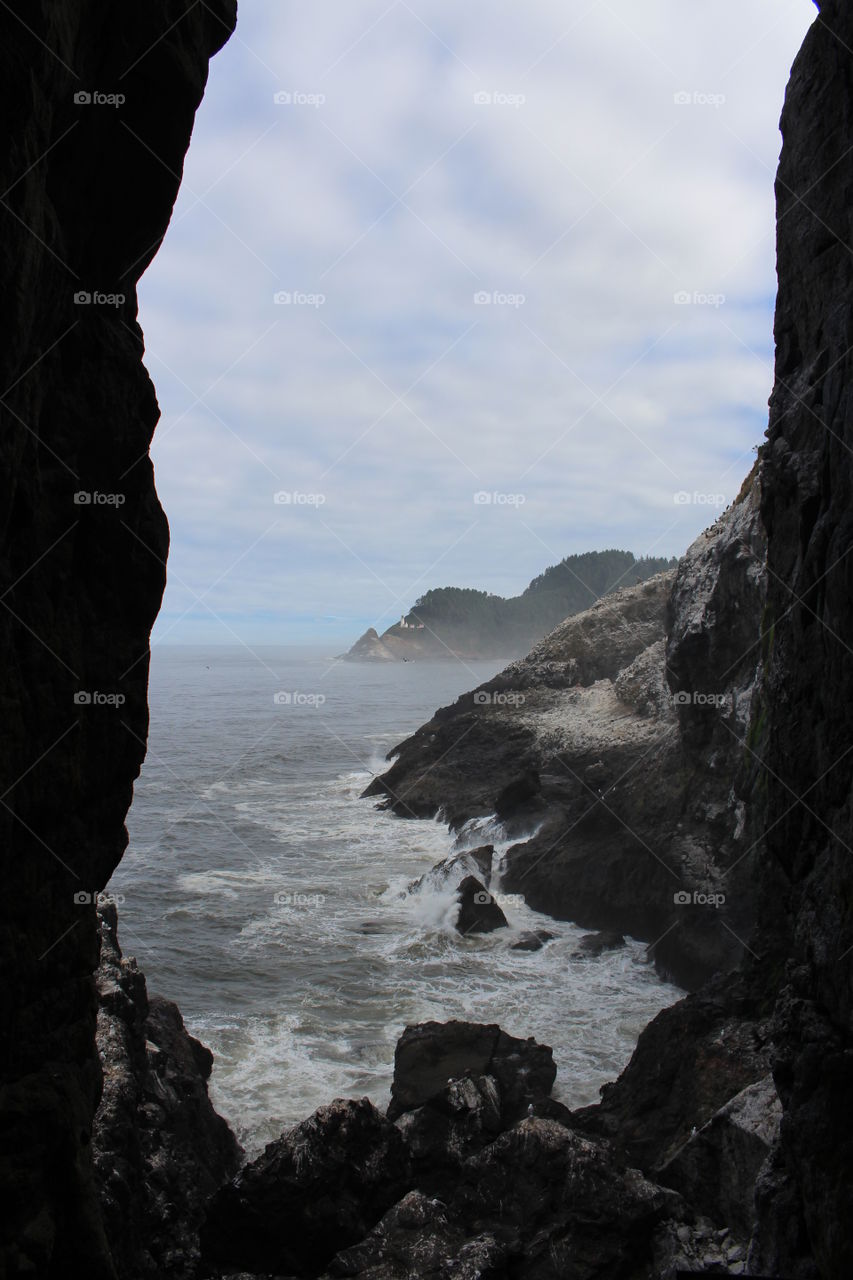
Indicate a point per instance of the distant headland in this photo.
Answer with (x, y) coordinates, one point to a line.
(462, 622)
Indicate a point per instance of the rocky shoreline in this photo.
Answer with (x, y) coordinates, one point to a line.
(615, 751)
(473, 1169)
(723, 1148)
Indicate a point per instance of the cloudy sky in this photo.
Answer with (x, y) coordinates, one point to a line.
(426, 254)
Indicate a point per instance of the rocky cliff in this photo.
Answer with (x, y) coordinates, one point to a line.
(724, 1145)
(615, 749)
(802, 737)
(98, 102)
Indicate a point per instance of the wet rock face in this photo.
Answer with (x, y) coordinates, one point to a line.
(160, 1150)
(432, 1053)
(89, 188)
(614, 753)
(808, 636)
(478, 911)
(320, 1188)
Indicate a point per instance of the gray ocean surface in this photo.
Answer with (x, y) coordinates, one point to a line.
(272, 903)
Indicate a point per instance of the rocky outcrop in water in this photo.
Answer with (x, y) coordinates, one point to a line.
(97, 103)
(616, 749)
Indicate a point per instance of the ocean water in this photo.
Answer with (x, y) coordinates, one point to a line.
(275, 906)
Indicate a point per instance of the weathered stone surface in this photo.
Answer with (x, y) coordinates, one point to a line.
(689, 1061)
(432, 1053)
(595, 944)
(160, 1150)
(613, 751)
(87, 196)
(478, 911)
(452, 1125)
(417, 1239)
(531, 940)
(802, 736)
(717, 1167)
(318, 1189)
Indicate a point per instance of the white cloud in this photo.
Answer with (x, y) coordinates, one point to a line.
(599, 197)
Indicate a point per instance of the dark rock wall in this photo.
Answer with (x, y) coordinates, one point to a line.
(86, 193)
(160, 1149)
(805, 742)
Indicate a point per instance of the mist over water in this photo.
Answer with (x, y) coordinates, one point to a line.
(274, 905)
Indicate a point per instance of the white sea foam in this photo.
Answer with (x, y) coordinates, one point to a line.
(279, 913)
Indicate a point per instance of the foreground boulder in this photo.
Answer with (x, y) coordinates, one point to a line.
(318, 1189)
(478, 911)
(456, 1123)
(539, 1202)
(431, 1054)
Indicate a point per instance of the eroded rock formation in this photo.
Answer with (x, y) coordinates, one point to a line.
(616, 747)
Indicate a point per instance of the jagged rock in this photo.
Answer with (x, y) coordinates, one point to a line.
(416, 1240)
(546, 1192)
(632, 802)
(476, 862)
(369, 648)
(316, 1190)
(432, 1053)
(517, 794)
(88, 194)
(689, 1062)
(717, 1167)
(478, 911)
(530, 940)
(531, 1204)
(594, 944)
(452, 1125)
(160, 1150)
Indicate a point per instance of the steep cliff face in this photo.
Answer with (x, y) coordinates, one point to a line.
(805, 740)
(618, 741)
(160, 1149)
(98, 102)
